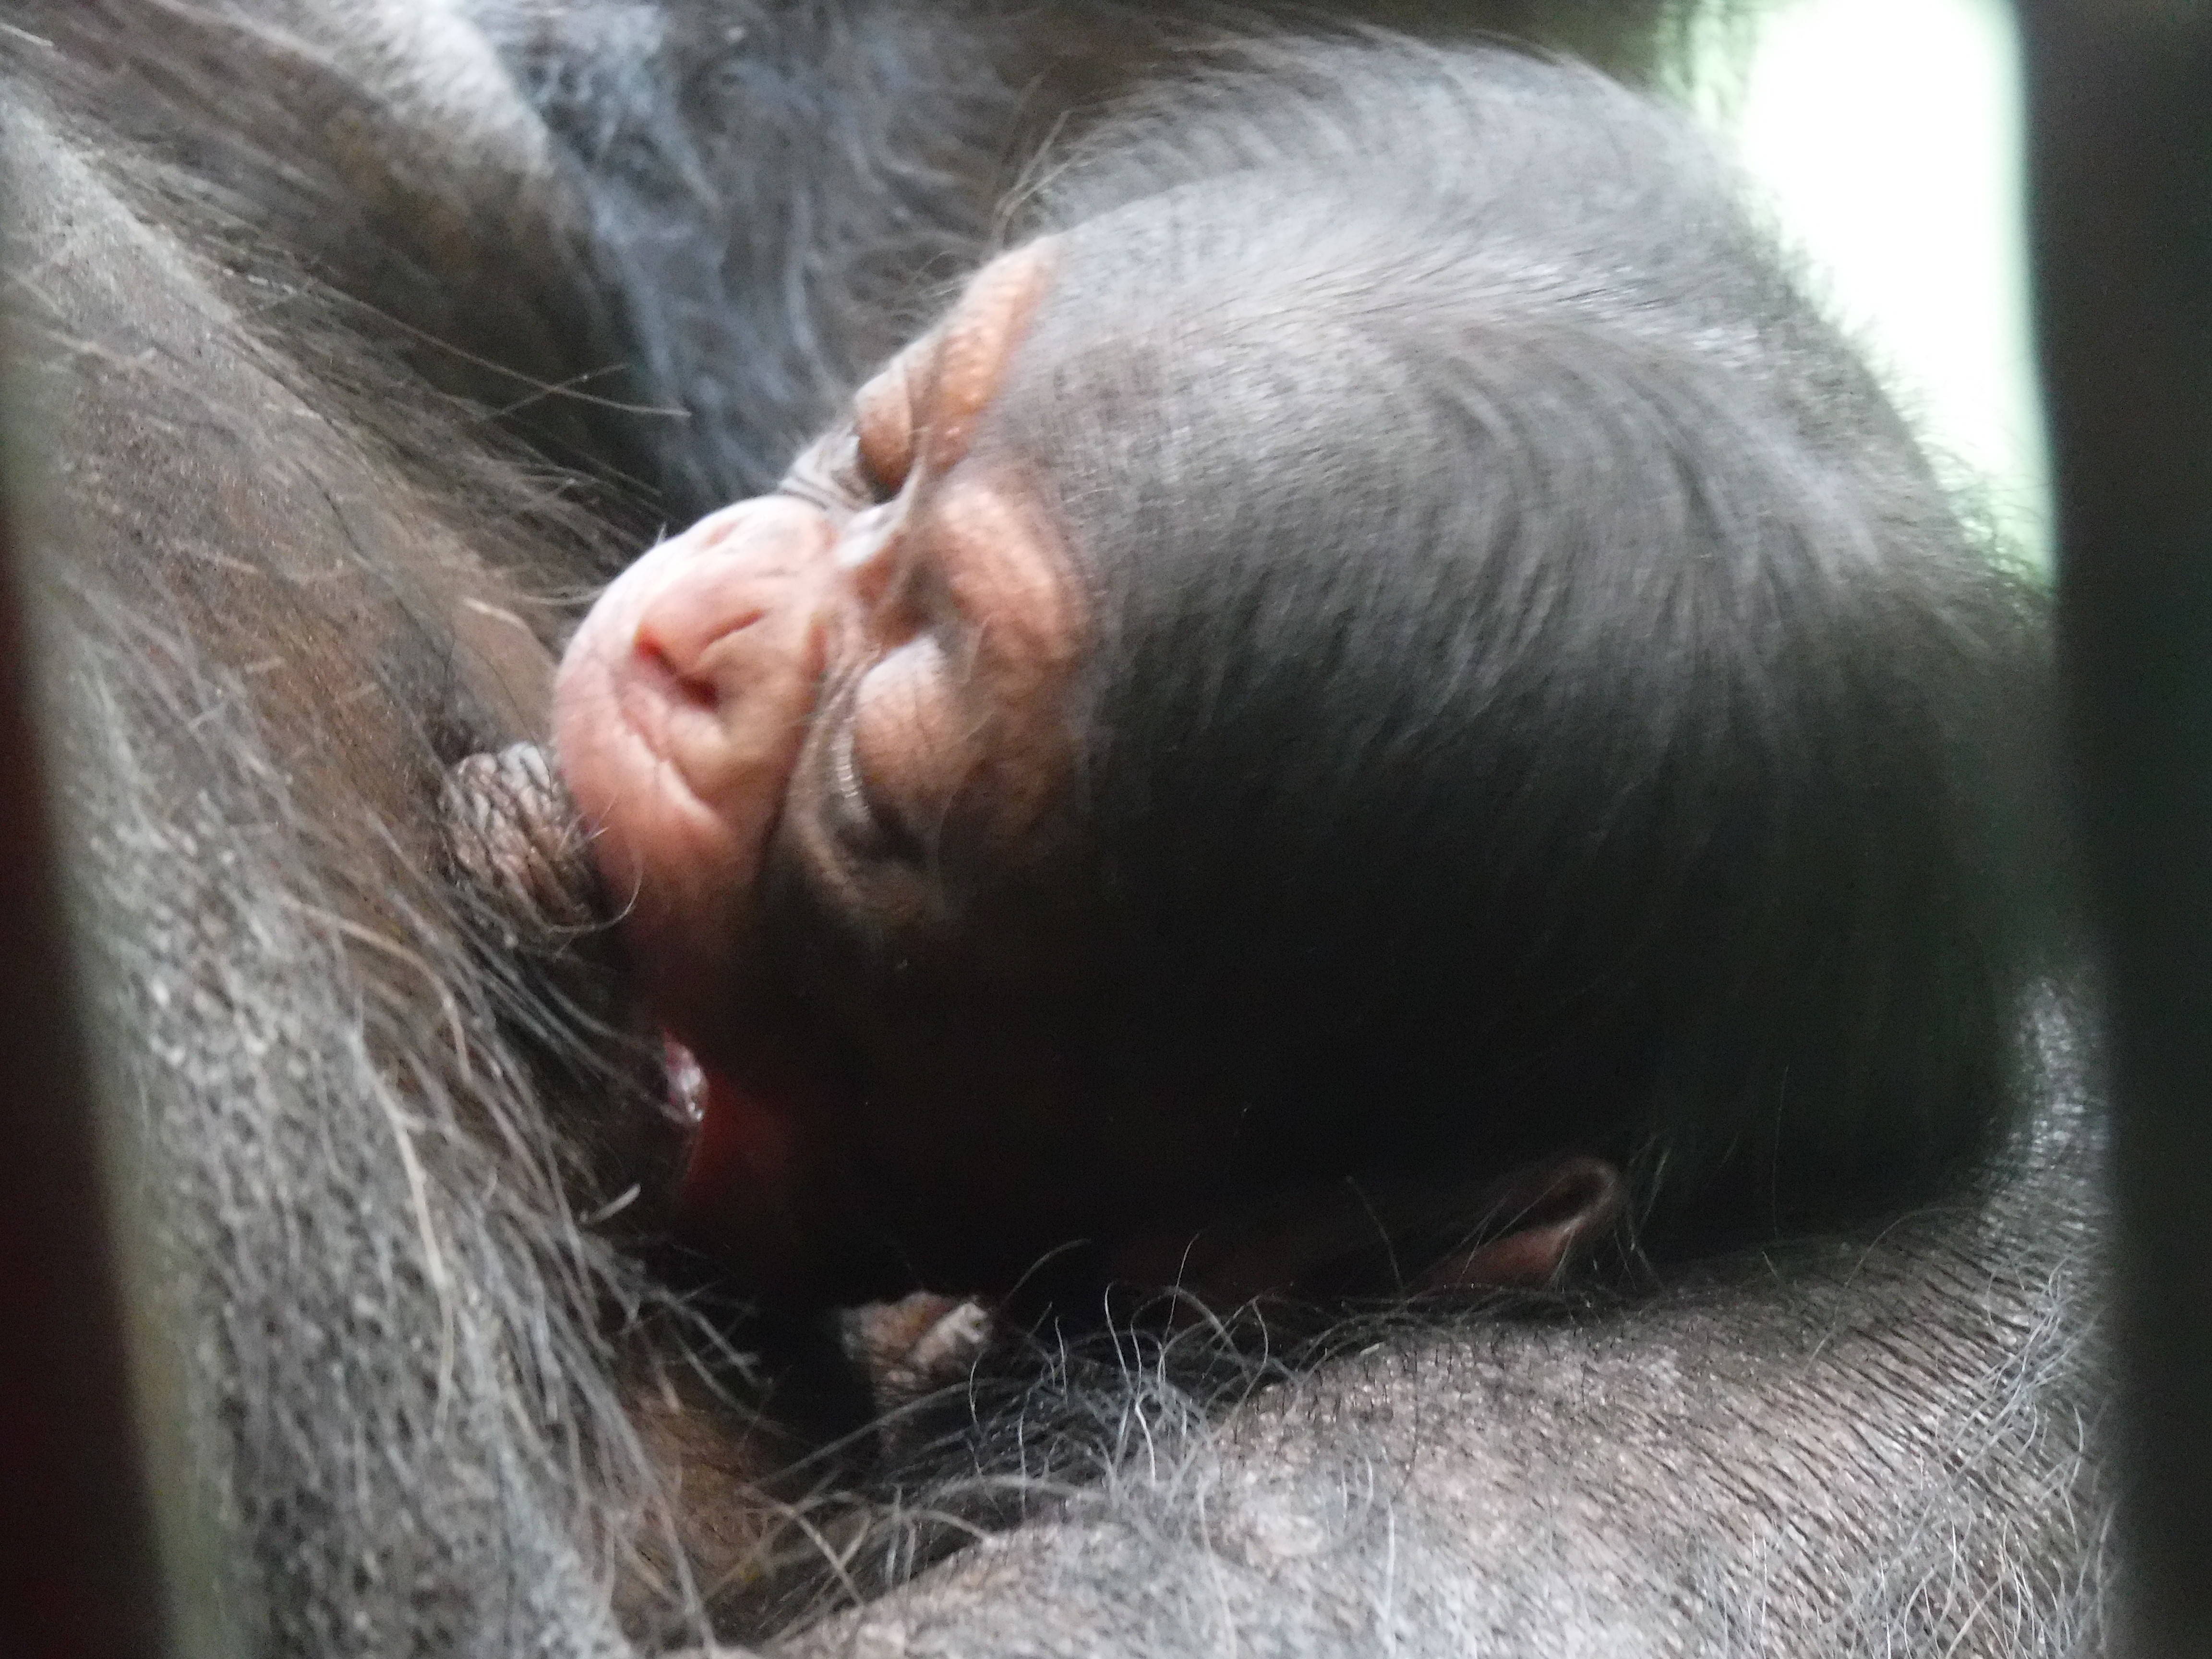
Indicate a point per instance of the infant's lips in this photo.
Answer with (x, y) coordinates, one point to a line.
(742, 1153)
(686, 1084)
(735, 1194)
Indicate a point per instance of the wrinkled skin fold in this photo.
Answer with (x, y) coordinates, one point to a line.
(288, 284)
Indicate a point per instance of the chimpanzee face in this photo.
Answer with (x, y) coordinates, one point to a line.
(826, 742)
(864, 670)
(856, 688)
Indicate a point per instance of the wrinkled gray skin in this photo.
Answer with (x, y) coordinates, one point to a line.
(285, 584)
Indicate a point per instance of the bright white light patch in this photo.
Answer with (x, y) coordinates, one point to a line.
(1888, 134)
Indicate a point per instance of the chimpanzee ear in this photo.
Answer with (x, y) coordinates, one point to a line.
(1543, 1219)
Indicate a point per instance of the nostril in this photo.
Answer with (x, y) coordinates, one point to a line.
(690, 688)
(679, 630)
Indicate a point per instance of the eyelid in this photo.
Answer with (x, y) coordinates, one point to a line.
(861, 823)
(867, 823)
(832, 473)
(883, 427)
(849, 463)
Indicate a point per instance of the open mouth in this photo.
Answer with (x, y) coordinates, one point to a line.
(736, 1188)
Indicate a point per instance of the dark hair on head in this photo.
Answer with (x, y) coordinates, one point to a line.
(1545, 698)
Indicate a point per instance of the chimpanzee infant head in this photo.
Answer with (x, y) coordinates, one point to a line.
(1389, 654)
(830, 744)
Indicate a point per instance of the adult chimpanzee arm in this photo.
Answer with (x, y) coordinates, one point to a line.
(261, 631)
(1884, 1446)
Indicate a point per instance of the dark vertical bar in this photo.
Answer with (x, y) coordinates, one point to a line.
(77, 1578)
(2120, 102)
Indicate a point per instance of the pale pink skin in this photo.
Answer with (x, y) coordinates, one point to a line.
(827, 669)
(890, 567)
(678, 715)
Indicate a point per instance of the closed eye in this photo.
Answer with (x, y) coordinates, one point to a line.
(832, 474)
(863, 823)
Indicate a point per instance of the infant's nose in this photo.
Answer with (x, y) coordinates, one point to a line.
(721, 576)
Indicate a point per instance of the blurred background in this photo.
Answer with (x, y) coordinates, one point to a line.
(1885, 135)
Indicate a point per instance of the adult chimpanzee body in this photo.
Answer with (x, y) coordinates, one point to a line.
(434, 1411)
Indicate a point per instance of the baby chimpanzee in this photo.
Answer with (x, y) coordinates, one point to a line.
(1381, 695)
